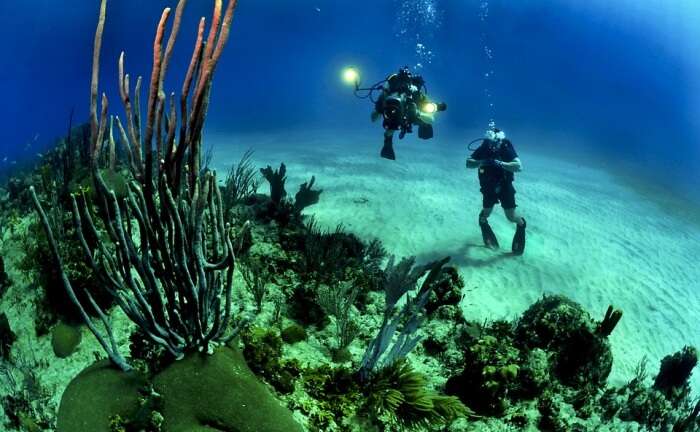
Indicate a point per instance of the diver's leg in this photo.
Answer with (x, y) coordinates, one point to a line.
(489, 237)
(388, 148)
(518, 246)
(484, 215)
(513, 216)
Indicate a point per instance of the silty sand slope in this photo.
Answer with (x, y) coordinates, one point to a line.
(590, 236)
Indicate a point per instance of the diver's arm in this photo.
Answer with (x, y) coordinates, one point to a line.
(379, 104)
(513, 166)
(474, 163)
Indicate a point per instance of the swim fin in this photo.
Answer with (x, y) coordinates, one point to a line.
(519, 239)
(388, 149)
(490, 240)
(425, 131)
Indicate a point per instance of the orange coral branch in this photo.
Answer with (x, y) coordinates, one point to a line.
(211, 58)
(155, 80)
(174, 161)
(171, 42)
(97, 48)
(208, 49)
(225, 31)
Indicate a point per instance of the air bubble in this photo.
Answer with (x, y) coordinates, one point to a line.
(416, 23)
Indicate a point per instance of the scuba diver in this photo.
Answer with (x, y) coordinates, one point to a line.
(497, 162)
(403, 103)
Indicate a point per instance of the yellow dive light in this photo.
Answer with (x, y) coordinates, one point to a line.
(430, 108)
(351, 76)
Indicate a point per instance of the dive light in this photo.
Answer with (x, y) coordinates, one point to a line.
(430, 108)
(351, 76)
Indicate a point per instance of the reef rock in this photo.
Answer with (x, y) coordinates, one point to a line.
(580, 355)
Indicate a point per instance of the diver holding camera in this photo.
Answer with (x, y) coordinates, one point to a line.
(497, 162)
(403, 103)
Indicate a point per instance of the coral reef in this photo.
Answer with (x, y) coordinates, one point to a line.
(337, 301)
(23, 398)
(293, 334)
(675, 370)
(399, 279)
(108, 392)
(262, 349)
(255, 277)
(490, 375)
(55, 304)
(447, 291)
(663, 405)
(65, 339)
(401, 396)
(582, 354)
(231, 397)
(306, 196)
(279, 208)
(5, 281)
(329, 333)
(276, 178)
(406, 345)
(7, 337)
(241, 183)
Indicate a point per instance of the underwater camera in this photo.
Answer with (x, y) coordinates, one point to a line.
(394, 117)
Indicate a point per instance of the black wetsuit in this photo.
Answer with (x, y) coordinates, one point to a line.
(496, 183)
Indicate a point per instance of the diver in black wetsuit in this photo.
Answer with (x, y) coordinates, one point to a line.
(497, 162)
(404, 103)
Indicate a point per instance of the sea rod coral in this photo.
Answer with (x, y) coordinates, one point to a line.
(166, 254)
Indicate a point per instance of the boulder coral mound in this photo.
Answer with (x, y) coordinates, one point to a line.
(200, 393)
(65, 339)
(96, 395)
(203, 393)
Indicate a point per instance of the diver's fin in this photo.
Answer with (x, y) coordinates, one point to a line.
(425, 131)
(519, 239)
(490, 240)
(388, 149)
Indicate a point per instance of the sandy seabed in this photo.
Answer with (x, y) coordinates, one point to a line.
(591, 236)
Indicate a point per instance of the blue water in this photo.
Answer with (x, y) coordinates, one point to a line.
(621, 80)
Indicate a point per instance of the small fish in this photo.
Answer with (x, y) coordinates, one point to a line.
(4, 159)
(318, 9)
